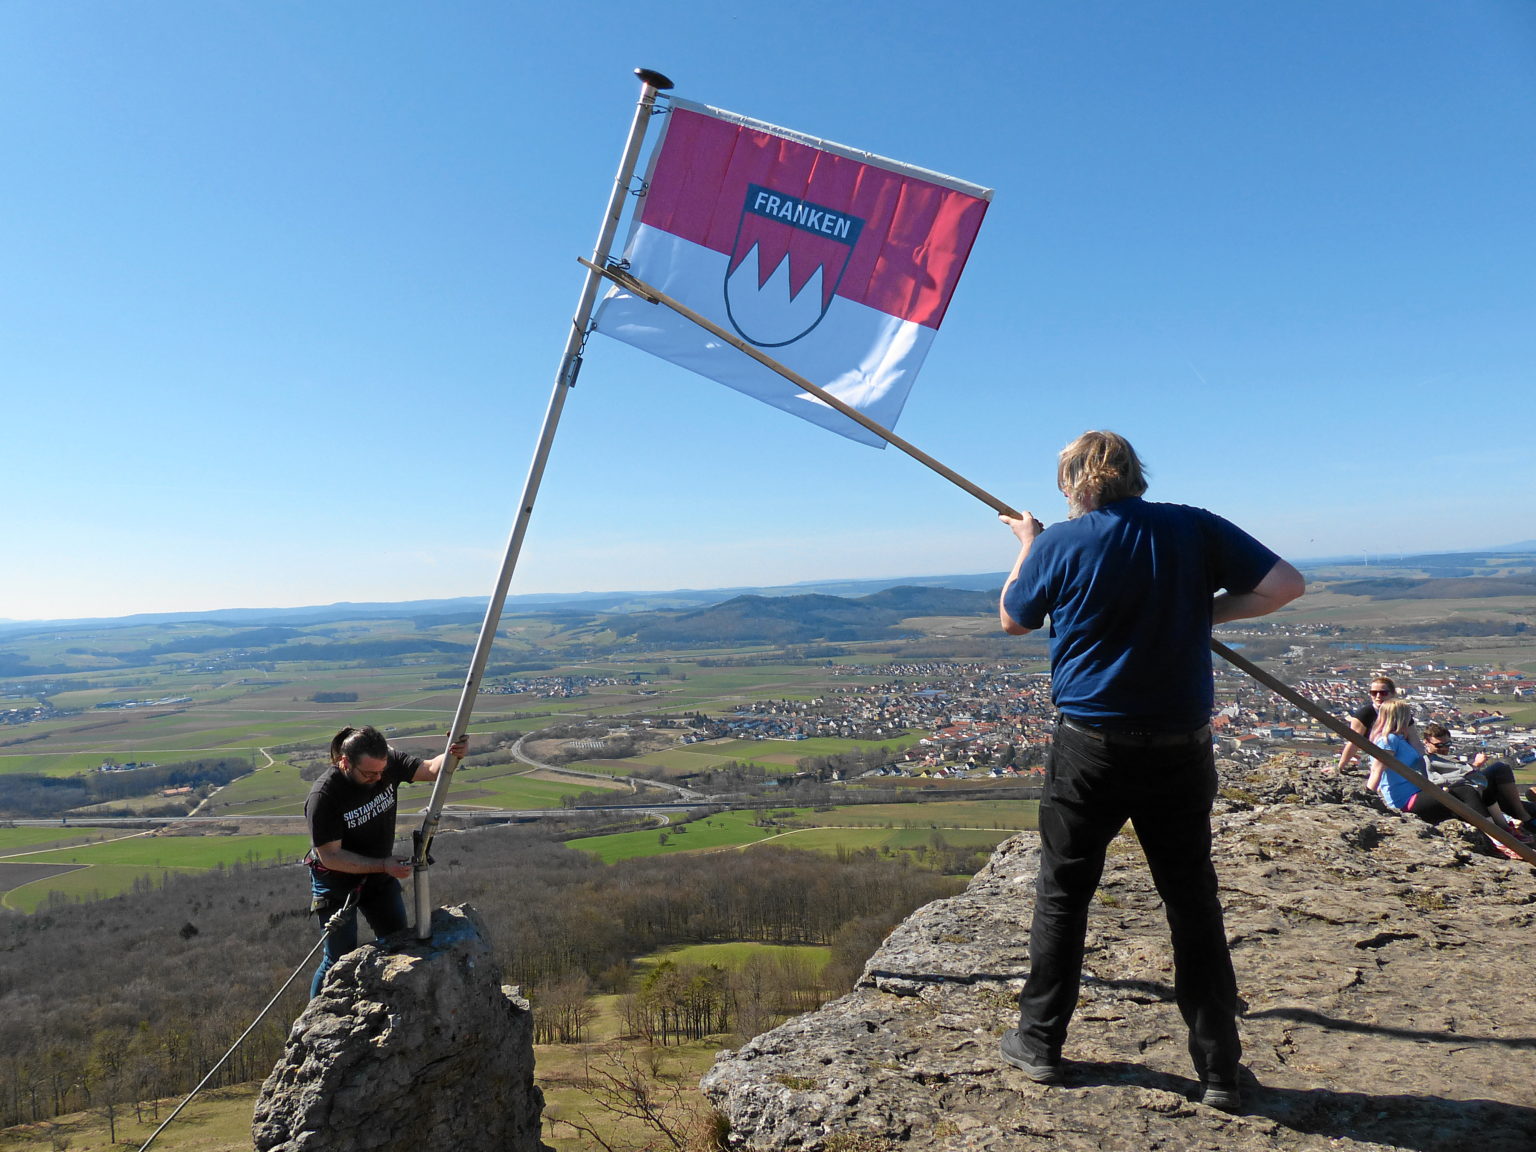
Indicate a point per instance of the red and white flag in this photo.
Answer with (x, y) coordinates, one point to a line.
(837, 263)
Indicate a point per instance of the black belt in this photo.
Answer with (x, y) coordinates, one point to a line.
(1132, 738)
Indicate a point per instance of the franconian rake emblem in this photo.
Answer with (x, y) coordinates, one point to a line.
(837, 263)
(802, 251)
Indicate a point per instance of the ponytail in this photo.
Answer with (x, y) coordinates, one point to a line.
(355, 742)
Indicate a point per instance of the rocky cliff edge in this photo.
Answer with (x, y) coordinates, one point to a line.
(1385, 967)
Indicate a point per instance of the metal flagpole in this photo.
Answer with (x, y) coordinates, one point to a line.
(565, 379)
(645, 291)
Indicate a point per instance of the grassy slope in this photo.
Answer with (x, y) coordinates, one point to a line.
(982, 823)
(1007, 814)
(727, 830)
(218, 1120)
(112, 867)
(832, 839)
(14, 840)
(734, 954)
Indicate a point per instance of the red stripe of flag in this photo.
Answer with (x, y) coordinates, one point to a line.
(916, 234)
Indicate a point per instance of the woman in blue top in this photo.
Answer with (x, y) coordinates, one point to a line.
(1394, 719)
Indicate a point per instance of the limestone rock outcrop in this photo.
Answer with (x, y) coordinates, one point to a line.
(1385, 967)
(413, 1046)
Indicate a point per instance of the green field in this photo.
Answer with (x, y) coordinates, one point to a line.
(217, 1120)
(1011, 815)
(735, 954)
(564, 1070)
(682, 761)
(112, 867)
(53, 764)
(28, 840)
(726, 830)
(910, 827)
(195, 853)
(278, 790)
(893, 839)
(504, 787)
(1521, 713)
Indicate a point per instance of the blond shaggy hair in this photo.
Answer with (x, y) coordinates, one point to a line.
(1098, 468)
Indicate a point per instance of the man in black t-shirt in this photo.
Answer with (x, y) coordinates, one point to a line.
(351, 815)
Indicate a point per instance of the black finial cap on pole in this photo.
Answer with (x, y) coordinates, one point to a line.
(654, 79)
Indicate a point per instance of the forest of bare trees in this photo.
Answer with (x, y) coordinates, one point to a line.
(130, 999)
(37, 795)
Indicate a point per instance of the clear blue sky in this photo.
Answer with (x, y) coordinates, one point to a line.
(285, 286)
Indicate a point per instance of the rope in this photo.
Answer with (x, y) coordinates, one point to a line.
(203, 1083)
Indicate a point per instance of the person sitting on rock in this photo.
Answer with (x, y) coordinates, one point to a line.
(1401, 795)
(1479, 785)
(1363, 719)
(1520, 812)
(1393, 720)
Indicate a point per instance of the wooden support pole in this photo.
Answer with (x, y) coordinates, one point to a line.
(1339, 728)
(644, 291)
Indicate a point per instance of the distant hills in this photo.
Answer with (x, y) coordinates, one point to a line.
(472, 608)
(381, 632)
(834, 605)
(1439, 588)
(803, 618)
(316, 614)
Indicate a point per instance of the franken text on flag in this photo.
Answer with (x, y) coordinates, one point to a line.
(837, 263)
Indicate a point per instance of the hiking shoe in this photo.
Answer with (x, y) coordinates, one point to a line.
(1040, 1069)
(1505, 850)
(1223, 1094)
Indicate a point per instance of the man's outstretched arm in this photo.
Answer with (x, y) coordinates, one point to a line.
(431, 769)
(1281, 585)
(1026, 528)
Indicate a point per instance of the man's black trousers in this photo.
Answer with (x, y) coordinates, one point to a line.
(1092, 788)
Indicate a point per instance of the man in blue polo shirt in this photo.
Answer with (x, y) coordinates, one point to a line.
(1131, 589)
